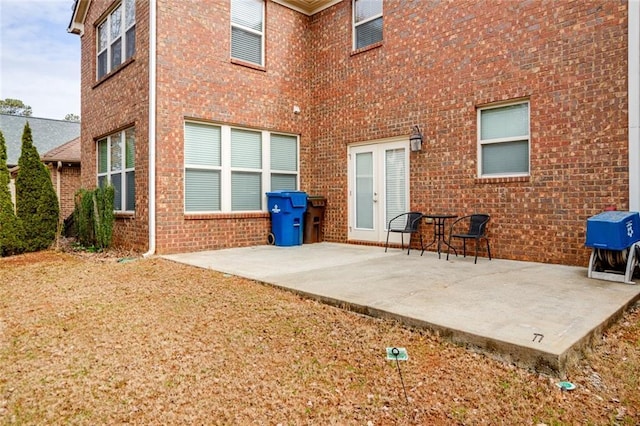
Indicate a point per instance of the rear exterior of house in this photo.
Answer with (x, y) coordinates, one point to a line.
(523, 108)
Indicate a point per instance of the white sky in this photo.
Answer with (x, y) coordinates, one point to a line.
(39, 60)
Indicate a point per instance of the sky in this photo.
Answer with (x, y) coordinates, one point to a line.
(39, 59)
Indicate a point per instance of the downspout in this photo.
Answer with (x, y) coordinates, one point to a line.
(633, 36)
(58, 177)
(152, 129)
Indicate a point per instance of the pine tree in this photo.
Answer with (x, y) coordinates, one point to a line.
(36, 201)
(11, 232)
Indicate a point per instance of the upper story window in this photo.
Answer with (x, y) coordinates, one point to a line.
(247, 31)
(229, 169)
(503, 140)
(116, 166)
(367, 23)
(116, 37)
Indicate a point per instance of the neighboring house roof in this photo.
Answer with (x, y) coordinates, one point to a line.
(47, 134)
(66, 153)
(308, 7)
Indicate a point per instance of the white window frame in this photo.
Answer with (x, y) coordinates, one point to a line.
(355, 24)
(226, 169)
(121, 138)
(249, 30)
(514, 138)
(122, 8)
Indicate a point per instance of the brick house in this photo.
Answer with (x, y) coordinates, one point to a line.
(58, 142)
(194, 109)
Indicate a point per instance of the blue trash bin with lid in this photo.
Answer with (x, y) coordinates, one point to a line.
(287, 212)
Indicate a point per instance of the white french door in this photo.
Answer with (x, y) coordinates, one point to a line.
(378, 188)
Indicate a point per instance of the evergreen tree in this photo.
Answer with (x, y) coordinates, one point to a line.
(36, 201)
(11, 232)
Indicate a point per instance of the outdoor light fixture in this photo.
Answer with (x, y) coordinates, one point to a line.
(415, 140)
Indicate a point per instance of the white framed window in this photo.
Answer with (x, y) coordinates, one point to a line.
(246, 170)
(116, 37)
(203, 167)
(284, 162)
(116, 166)
(504, 140)
(247, 31)
(229, 169)
(367, 23)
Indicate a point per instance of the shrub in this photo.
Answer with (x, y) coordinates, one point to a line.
(11, 231)
(93, 216)
(36, 201)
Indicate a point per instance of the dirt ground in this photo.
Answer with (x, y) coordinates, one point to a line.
(106, 339)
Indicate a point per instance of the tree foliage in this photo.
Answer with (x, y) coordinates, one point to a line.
(36, 201)
(11, 231)
(72, 117)
(14, 107)
(93, 216)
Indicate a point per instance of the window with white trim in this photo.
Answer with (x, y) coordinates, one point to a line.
(116, 166)
(246, 170)
(229, 169)
(503, 140)
(116, 38)
(247, 31)
(367, 23)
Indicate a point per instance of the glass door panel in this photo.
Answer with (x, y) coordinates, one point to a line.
(364, 190)
(395, 183)
(378, 188)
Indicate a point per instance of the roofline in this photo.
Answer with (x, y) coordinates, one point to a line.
(54, 154)
(80, 8)
(31, 117)
(69, 161)
(309, 11)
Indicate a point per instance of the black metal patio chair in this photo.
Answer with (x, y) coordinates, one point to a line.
(475, 229)
(405, 223)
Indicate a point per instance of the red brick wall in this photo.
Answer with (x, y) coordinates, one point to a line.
(69, 184)
(197, 80)
(438, 62)
(117, 101)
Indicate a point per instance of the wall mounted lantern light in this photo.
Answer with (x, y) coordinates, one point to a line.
(415, 140)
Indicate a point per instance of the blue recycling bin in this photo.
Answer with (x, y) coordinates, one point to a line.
(613, 230)
(287, 211)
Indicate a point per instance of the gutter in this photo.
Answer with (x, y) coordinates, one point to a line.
(152, 128)
(633, 40)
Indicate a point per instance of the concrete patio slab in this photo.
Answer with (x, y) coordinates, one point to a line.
(535, 315)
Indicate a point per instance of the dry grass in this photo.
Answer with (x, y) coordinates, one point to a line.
(90, 340)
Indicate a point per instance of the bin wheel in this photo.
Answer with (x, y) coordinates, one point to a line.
(271, 239)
